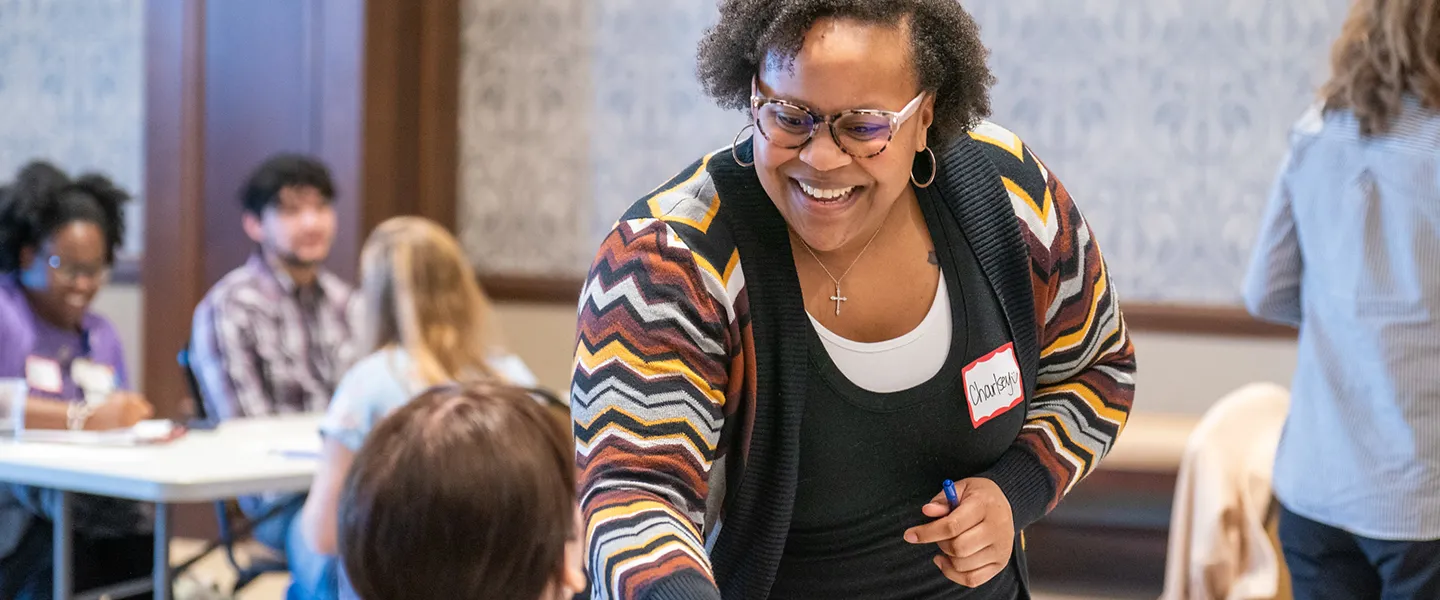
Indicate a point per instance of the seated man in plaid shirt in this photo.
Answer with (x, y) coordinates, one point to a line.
(275, 335)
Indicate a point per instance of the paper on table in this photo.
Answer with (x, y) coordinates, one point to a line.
(81, 438)
(298, 448)
(144, 432)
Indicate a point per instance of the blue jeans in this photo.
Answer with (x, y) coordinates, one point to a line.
(275, 531)
(313, 576)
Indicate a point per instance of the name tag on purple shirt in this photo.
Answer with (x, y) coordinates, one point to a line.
(43, 354)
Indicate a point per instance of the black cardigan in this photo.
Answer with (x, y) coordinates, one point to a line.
(757, 521)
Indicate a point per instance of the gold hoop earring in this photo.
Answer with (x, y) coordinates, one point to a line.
(736, 142)
(934, 168)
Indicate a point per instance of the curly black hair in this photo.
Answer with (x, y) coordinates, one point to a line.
(944, 40)
(42, 199)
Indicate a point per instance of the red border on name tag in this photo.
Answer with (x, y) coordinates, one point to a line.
(965, 381)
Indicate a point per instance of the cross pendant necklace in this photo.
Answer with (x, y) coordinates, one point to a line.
(839, 298)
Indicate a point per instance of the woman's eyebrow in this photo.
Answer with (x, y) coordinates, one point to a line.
(811, 107)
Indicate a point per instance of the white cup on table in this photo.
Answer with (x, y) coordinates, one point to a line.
(13, 392)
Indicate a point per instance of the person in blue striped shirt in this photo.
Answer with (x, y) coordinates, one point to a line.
(1349, 252)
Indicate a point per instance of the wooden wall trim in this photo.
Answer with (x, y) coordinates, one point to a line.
(1229, 321)
(1191, 319)
(174, 131)
(523, 288)
(412, 111)
(439, 111)
(370, 87)
(338, 43)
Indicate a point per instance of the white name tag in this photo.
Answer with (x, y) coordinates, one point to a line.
(97, 381)
(992, 385)
(44, 374)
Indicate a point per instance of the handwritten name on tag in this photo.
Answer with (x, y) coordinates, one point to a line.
(992, 385)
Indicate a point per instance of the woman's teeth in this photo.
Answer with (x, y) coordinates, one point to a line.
(818, 193)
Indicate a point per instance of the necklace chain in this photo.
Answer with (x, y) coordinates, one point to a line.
(838, 298)
(852, 263)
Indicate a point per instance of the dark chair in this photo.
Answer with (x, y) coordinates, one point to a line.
(226, 513)
(548, 398)
(201, 417)
(551, 402)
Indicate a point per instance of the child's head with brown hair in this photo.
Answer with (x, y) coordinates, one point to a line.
(466, 492)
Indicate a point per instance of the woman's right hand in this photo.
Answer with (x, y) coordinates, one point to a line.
(120, 410)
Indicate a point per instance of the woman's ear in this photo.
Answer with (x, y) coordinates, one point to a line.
(27, 255)
(925, 117)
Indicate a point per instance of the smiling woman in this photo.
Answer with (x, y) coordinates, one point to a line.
(786, 350)
(57, 242)
(58, 239)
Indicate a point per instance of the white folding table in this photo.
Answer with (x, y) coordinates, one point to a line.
(239, 458)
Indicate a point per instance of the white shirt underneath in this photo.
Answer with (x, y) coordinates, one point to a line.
(896, 364)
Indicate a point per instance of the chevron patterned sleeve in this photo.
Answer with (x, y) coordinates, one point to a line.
(1085, 384)
(651, 370)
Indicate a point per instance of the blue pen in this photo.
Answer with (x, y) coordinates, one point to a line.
(950, 494)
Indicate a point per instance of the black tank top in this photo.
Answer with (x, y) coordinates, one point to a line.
(869, 461)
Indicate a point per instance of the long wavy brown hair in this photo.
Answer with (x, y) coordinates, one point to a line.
(1388, 49)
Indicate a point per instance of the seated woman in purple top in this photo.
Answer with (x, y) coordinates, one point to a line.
(57, 242)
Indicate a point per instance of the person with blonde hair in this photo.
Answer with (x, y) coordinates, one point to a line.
(1349, 252)
(426, 322)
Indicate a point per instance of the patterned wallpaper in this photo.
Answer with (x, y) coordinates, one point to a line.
(1165, 119)
(570, 110)
(71, 91)
(525, 118)
(650, 118)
